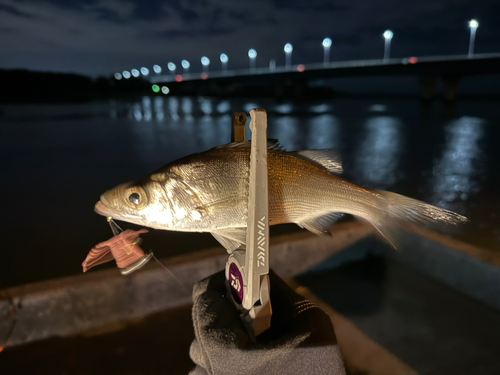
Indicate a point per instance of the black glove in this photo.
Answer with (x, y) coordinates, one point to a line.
(301, 339)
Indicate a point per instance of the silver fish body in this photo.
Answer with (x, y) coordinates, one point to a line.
(208, 192)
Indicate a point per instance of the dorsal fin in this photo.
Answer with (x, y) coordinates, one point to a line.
(327, 158)
(272, 144)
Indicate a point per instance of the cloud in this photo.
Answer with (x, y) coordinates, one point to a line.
(103, 36)
(13, 10)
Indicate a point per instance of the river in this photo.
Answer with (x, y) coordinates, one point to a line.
(58, 158)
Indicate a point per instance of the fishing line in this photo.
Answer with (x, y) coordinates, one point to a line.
(116, 229)
(181, 284)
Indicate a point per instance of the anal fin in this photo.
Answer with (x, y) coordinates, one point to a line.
(320, 225)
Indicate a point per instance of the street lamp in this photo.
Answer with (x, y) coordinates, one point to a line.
(205, 61)
(288, 52)
(171, 66)
(473, 24)
(327, 42)
(157, 69)
(252, 54)
(224, 59)
(387, 47)
(185, 64)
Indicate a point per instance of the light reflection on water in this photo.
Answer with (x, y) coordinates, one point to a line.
(158, 108)
(378, 153)
(187, 106)
(206, 106)
(285, 129)
(453, 173)
(323, 132)
(173, 108)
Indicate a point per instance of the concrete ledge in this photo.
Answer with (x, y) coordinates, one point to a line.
(72, 305)
(471, 270)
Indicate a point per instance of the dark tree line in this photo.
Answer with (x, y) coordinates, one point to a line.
(20, 85)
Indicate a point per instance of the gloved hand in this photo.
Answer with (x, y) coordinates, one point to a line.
(301, 339)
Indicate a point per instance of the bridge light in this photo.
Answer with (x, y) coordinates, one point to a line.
(473, 24)
(126, 74)
(301, 68)
(387, 46)
(118, 76)
(178, 78)
(252, 54)
(157, 68)
(135, 73)
(144, 71)
(224, 59)
(327, 42)
(205, 61)
(288, 54)
(185, 64)
(171, 66)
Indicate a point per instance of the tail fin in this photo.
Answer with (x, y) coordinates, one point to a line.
(398, 211)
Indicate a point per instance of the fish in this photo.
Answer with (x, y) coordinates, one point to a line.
(208, 192)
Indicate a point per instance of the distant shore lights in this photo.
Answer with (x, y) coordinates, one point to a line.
(288, 54)
(327, 42)
(252, 54)
(185, 65)
(388, 34)
(473, 24)
(205, 61)
(224, 59)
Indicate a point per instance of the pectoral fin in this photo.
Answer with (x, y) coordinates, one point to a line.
(231, 238)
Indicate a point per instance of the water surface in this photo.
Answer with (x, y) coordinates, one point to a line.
(58, 159)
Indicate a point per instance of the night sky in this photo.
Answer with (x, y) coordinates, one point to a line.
(103, 36)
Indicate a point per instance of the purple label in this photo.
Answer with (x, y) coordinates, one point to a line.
(236, 282)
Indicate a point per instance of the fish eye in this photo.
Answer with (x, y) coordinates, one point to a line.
(134, 198)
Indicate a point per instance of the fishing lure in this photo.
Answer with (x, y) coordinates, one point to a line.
(123, 247)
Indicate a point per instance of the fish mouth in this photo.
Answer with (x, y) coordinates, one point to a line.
(102, 209)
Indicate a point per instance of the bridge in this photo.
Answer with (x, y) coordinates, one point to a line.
(449, 68)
